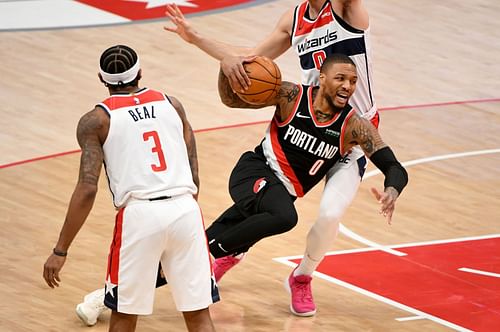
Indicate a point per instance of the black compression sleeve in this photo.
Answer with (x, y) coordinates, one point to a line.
(395, 174)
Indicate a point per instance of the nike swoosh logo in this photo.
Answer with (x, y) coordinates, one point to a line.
(222, 248)
(303, 116)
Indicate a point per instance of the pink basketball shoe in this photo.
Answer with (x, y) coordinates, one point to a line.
(302, 303)
(224, 264)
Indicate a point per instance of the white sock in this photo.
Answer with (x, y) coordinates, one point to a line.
(307, 266)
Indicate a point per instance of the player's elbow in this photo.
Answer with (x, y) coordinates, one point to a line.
(228, 101)
(86, 191)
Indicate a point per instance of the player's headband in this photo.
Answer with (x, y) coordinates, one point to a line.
(121, 78)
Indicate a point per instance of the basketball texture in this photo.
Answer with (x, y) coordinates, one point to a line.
(266, 81)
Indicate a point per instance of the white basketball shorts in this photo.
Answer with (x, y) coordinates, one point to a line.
(169, 231)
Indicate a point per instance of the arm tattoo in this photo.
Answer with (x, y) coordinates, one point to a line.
(288, 91)
(92, 153)
(365, 134)
(287, 96)
(228, 96)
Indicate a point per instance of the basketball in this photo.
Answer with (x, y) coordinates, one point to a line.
(266, 81)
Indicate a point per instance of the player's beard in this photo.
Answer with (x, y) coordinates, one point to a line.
(330, 102)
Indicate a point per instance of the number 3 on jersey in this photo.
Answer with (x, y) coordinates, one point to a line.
(156, 149)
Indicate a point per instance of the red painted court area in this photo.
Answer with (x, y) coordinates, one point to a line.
(428, 279)
(138, 10)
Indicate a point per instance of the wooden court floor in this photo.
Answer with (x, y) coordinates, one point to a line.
(49, 81)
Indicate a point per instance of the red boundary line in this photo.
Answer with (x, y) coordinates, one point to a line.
(237, 125)
(55, 155)
(473, 101)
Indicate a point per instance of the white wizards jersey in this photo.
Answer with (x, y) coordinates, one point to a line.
(314, 40)
(145, 155)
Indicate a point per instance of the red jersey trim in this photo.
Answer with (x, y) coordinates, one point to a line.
(283, 162)
(313, 115)
(375, 120)
(146, 96)
(304, 26)
(342, 130)
(114, 250)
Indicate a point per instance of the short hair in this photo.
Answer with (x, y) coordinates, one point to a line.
(335, 58)
(118, 59)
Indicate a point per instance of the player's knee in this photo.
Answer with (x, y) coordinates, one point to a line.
(286, 224)
(333, 212)
(330, 216)
(327, 226)
(287, 221)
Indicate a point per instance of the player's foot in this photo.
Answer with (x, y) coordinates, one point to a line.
(224, 264)
(91, 307)
(302, 303)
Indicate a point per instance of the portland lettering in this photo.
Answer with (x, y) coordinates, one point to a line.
(310, 143)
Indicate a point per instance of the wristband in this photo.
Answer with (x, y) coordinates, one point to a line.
(60, 253)
(395, 174)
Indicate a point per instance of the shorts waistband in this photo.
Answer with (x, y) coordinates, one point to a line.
(131, 200)
(159, 198)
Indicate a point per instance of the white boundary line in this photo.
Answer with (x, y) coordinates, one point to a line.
(484, 273)
(380, 298)
(375, 246)
(404, 319)
(347, 232)
(402, 245)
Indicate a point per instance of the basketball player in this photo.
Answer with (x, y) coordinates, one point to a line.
(147, 145)
(314, 29)
(313, 127)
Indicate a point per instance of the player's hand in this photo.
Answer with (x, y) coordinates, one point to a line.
(387, 200)
(232, 67)
(182, 27)
(51, 270)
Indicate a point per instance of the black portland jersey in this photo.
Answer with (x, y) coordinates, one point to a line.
(301, 150)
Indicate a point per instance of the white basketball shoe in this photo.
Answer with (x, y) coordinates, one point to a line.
(91, 307)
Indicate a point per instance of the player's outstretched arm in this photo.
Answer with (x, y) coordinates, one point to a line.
(353, 12)
(185, 30)
(88, 133)
(279, 40)
(275, 44)
(361, 131)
